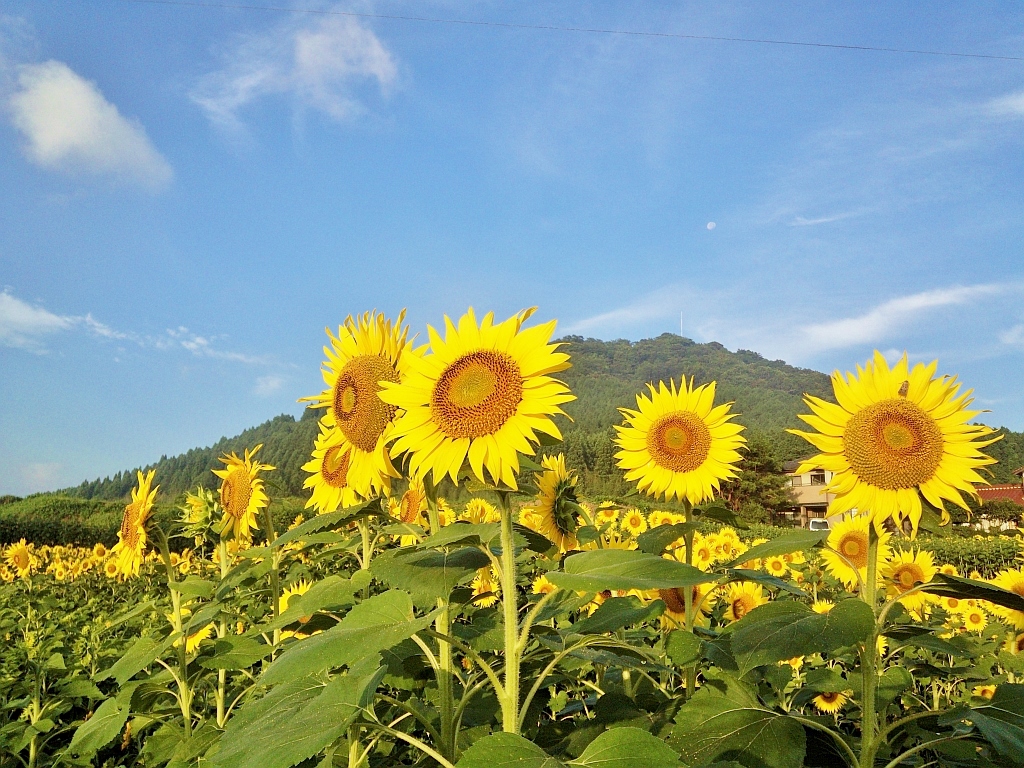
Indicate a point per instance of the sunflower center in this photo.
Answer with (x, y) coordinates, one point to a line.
(829, 697)
(21, 559)
(235, 492)
(854, 548)
(130, 524)
(679, 441)
(893, 444)
(360, 415)
(334, 467)
(741, 606)
(907, 576)
(477, 394)
(674, 599)
(410, 506)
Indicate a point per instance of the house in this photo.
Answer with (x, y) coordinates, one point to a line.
(1013, 492)
(810, 499)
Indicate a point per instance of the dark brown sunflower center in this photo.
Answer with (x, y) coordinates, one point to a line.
(235, 492)
(829, 697)
(411, 506)
(854, 547)
(360, 415)
(334, 467)
(893, 444)
(679, 441)
(130, 523)
(477, 394)
(741, 606)
(908, 575)
(674, 599)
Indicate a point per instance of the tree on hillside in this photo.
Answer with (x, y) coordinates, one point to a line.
(761, 491)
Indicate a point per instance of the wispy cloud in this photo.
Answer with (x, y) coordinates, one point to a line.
(1014, 336)
(320, 63)
(800, 221)
(1010, 105)
(23, 326)
(268, 385)
(70, 126)
(659, 305)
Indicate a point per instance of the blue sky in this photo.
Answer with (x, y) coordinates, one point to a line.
(190, 195)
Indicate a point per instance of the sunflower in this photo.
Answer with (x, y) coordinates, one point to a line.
(660, 517)
(198, 511)
(1012, 581)
(741, 598)
(542, 585)
(485, 587)
(99, 550)
(949, 569)
(703, 550)
(110, 568)
(412, 508)
(19, 558)
(830, 702)
(368, 351)
(483, 392)
(896, 432)
(974, 619)
(984, 691)
(192, 641)
(822, 606)
(329, 472)
(553, 515)
(1015, 645)
(481, 511)
(241, 493)
(131, 539)
(847, 554)
(905, 570)
(729, 539)
(776, 566)
(954, 604)
(633, 521)
(607, 514)
(677, 444)
(675, 602)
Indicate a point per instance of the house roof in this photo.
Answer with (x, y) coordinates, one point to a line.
(1019, 471)
(1014, 493)
(791, 466)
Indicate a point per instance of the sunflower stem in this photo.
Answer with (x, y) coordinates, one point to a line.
(222, 630)
(869, 657)
(442, 625)
(509, 601)
(184, 694)
(275, 575)
(691, 671)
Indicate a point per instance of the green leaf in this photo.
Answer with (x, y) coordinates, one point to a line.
(765, 579)
(79, 687)
(825, 680)
(721, 514)
(891, 683)
(616, 613)
(1001, 721)
(190, 748)
(625, 569)
(330, 520)
(684, 648)
(237, 652)
(506, 750)
(797, 541)
(462, 533)
(372, 626)
(725, 721)
(326, 594)
(297, 725)
(194, 586)
(968, 589)
(143, 652)
(100, 729)
(780, 630)
(627, 747)
(654, 541)
(428, 574)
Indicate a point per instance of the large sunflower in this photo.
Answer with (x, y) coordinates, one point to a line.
(241, 493)
(19, 558)
(553, 515)
(895, 432)
(677, 444)
(847, 552)
(368, 350)
(130, 549)
(330, 470)
(483, 392)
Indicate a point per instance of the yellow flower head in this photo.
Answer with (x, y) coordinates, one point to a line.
(822, 606)
(633, 521)
(776, 566)
(481, 511)
(741, 598)
(110, 568)
(368, 351)
(553, 514)
(1013, 581)
(485, 587)
(677, 444)
(660, 517)
(905, 570)
(99, 550)
(847, 554)
(329, 472)
(241, 493)
(704, 551)
(483, 393)
(830, 702)
(700, 599)
(984, 691)
(19, 558)
(974, 619)
(131, 538)
(607, 514)
(542, 586)
(897, 434)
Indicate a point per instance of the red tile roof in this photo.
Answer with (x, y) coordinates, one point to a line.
(1012, 492)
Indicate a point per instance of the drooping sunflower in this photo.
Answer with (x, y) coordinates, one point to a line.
(329, 472)
(741, 598)
(822, 606)
(677, 444)
(481, 511)
(847, 553)
(412, 508)
(241, 493)
(130, 549)
(896, 435)
(368, 350)
(830, 702)
(291, 592)
(904, 571)
(553, 514)
(1013, 581)
(19, 558)
(483, 393)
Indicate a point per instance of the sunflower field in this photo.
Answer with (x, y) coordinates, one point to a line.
(528, 626)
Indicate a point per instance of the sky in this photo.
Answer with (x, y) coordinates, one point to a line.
(189, 195)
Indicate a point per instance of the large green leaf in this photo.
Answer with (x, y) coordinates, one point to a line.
(375, 624)
(327, 594)
(616, 613)
(1001, 721)
(238, 652)
(969, 589)
(330, 520)
(506, 750)
(462, 533)
(625, 569)
(764, 579)
(627, 747)
(428, 574)
(100, 729)
(797, 541)
(781, 630)
(656, 540)
(725, 721)
(684, 648)
(143, 652)
(298, 724)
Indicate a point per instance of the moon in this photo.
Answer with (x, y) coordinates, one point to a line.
(711, 225)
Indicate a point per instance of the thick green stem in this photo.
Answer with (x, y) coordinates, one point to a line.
(445, 660)
(275, 575)
(510, 604)
(869, 658)
(222, 630)
(184, 693)
(691, 671)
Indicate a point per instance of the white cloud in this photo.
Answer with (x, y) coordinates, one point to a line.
(40, 476)
(1013, 336)
(800, 221)
(319, 63)
(887, 319)
(268, 385)
(22, 325)
(70, 126)
(1010, 105)
(659, 305)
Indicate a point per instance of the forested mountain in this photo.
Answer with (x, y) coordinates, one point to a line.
(605, 375)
